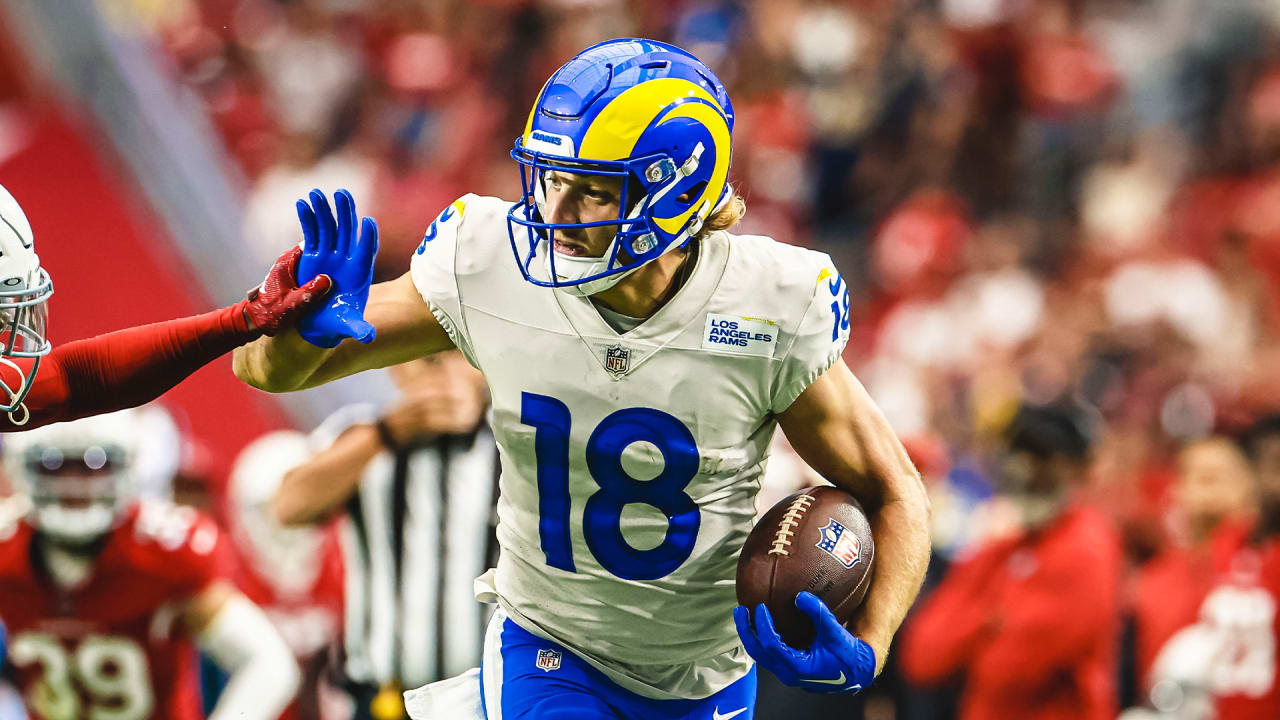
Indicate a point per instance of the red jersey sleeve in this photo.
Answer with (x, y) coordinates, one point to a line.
(123, 369)
(47, 397)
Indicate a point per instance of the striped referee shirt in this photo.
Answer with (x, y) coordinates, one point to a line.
(417, 533)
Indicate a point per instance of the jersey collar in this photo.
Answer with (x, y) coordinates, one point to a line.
(686, 307)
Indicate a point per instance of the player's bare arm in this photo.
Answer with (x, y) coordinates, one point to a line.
(837, 428)
(241, 640)
(406, 330)
(313, 491)
(448, 397)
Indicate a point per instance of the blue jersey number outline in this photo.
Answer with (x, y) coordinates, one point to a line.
(602, 516)
(839, 308)
(431, 230)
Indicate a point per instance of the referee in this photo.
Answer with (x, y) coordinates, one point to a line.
(418, 485)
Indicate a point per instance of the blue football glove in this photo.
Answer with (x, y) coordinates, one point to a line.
(330, 247)
(837, 662)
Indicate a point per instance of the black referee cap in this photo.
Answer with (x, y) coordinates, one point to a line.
(1046, 431)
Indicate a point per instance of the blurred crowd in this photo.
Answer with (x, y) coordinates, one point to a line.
(1038, 200)
(1070, 202)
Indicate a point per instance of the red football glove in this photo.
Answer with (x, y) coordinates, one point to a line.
(278, 302)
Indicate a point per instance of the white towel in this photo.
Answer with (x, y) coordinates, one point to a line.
(457, 698)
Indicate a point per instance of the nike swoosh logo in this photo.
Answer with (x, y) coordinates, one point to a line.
(837, 681)
(715, 714)
(834, 285)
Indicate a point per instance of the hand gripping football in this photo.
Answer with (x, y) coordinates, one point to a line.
(818, 540)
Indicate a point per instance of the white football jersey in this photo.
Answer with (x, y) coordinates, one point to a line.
(631, 462)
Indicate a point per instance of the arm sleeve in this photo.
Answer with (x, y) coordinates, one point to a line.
(264, 676)
(433, 268)
(819, 337)
(126, 368)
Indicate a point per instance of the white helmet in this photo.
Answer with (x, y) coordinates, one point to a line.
(287, 557)
(79, 475)
(24, 295)
(161, 445)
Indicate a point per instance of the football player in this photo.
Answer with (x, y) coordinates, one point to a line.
(103, 593)
(40, 384)
(294, 574)
(639, 359)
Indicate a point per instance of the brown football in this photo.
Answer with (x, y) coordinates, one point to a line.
(817, 540)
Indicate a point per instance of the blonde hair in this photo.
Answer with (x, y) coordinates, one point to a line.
(727, 216)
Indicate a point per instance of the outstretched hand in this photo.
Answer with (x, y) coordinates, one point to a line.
(837, 662)
(278, 302)
(330, 247)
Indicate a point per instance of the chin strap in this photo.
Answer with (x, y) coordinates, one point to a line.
(22, 411)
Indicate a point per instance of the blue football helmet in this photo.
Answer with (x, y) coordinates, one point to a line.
(641, 110)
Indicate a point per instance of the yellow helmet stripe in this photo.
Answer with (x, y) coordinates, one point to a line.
(715, 123)
(614, 132)
(528, 125)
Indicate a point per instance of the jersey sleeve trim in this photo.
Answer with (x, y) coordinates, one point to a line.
(797, 388)
(465, 335)
(785, 395)
(443, 318)
(444, 231)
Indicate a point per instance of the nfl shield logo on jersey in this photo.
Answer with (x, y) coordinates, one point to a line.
(617, 359)
(838, 543)
(548, 660)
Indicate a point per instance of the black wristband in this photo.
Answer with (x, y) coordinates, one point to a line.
(384, 435)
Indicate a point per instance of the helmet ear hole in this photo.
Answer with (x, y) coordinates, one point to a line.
(687, 197)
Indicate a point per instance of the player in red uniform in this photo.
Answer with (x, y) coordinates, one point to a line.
(104, 594)
(294, 574)
(40, 384)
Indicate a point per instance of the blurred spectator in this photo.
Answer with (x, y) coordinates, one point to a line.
(271, 222)
(418, 484)
(1223, 666)
(293, 574)
(1242, 608)
(1213, 499)
(1030, 618)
